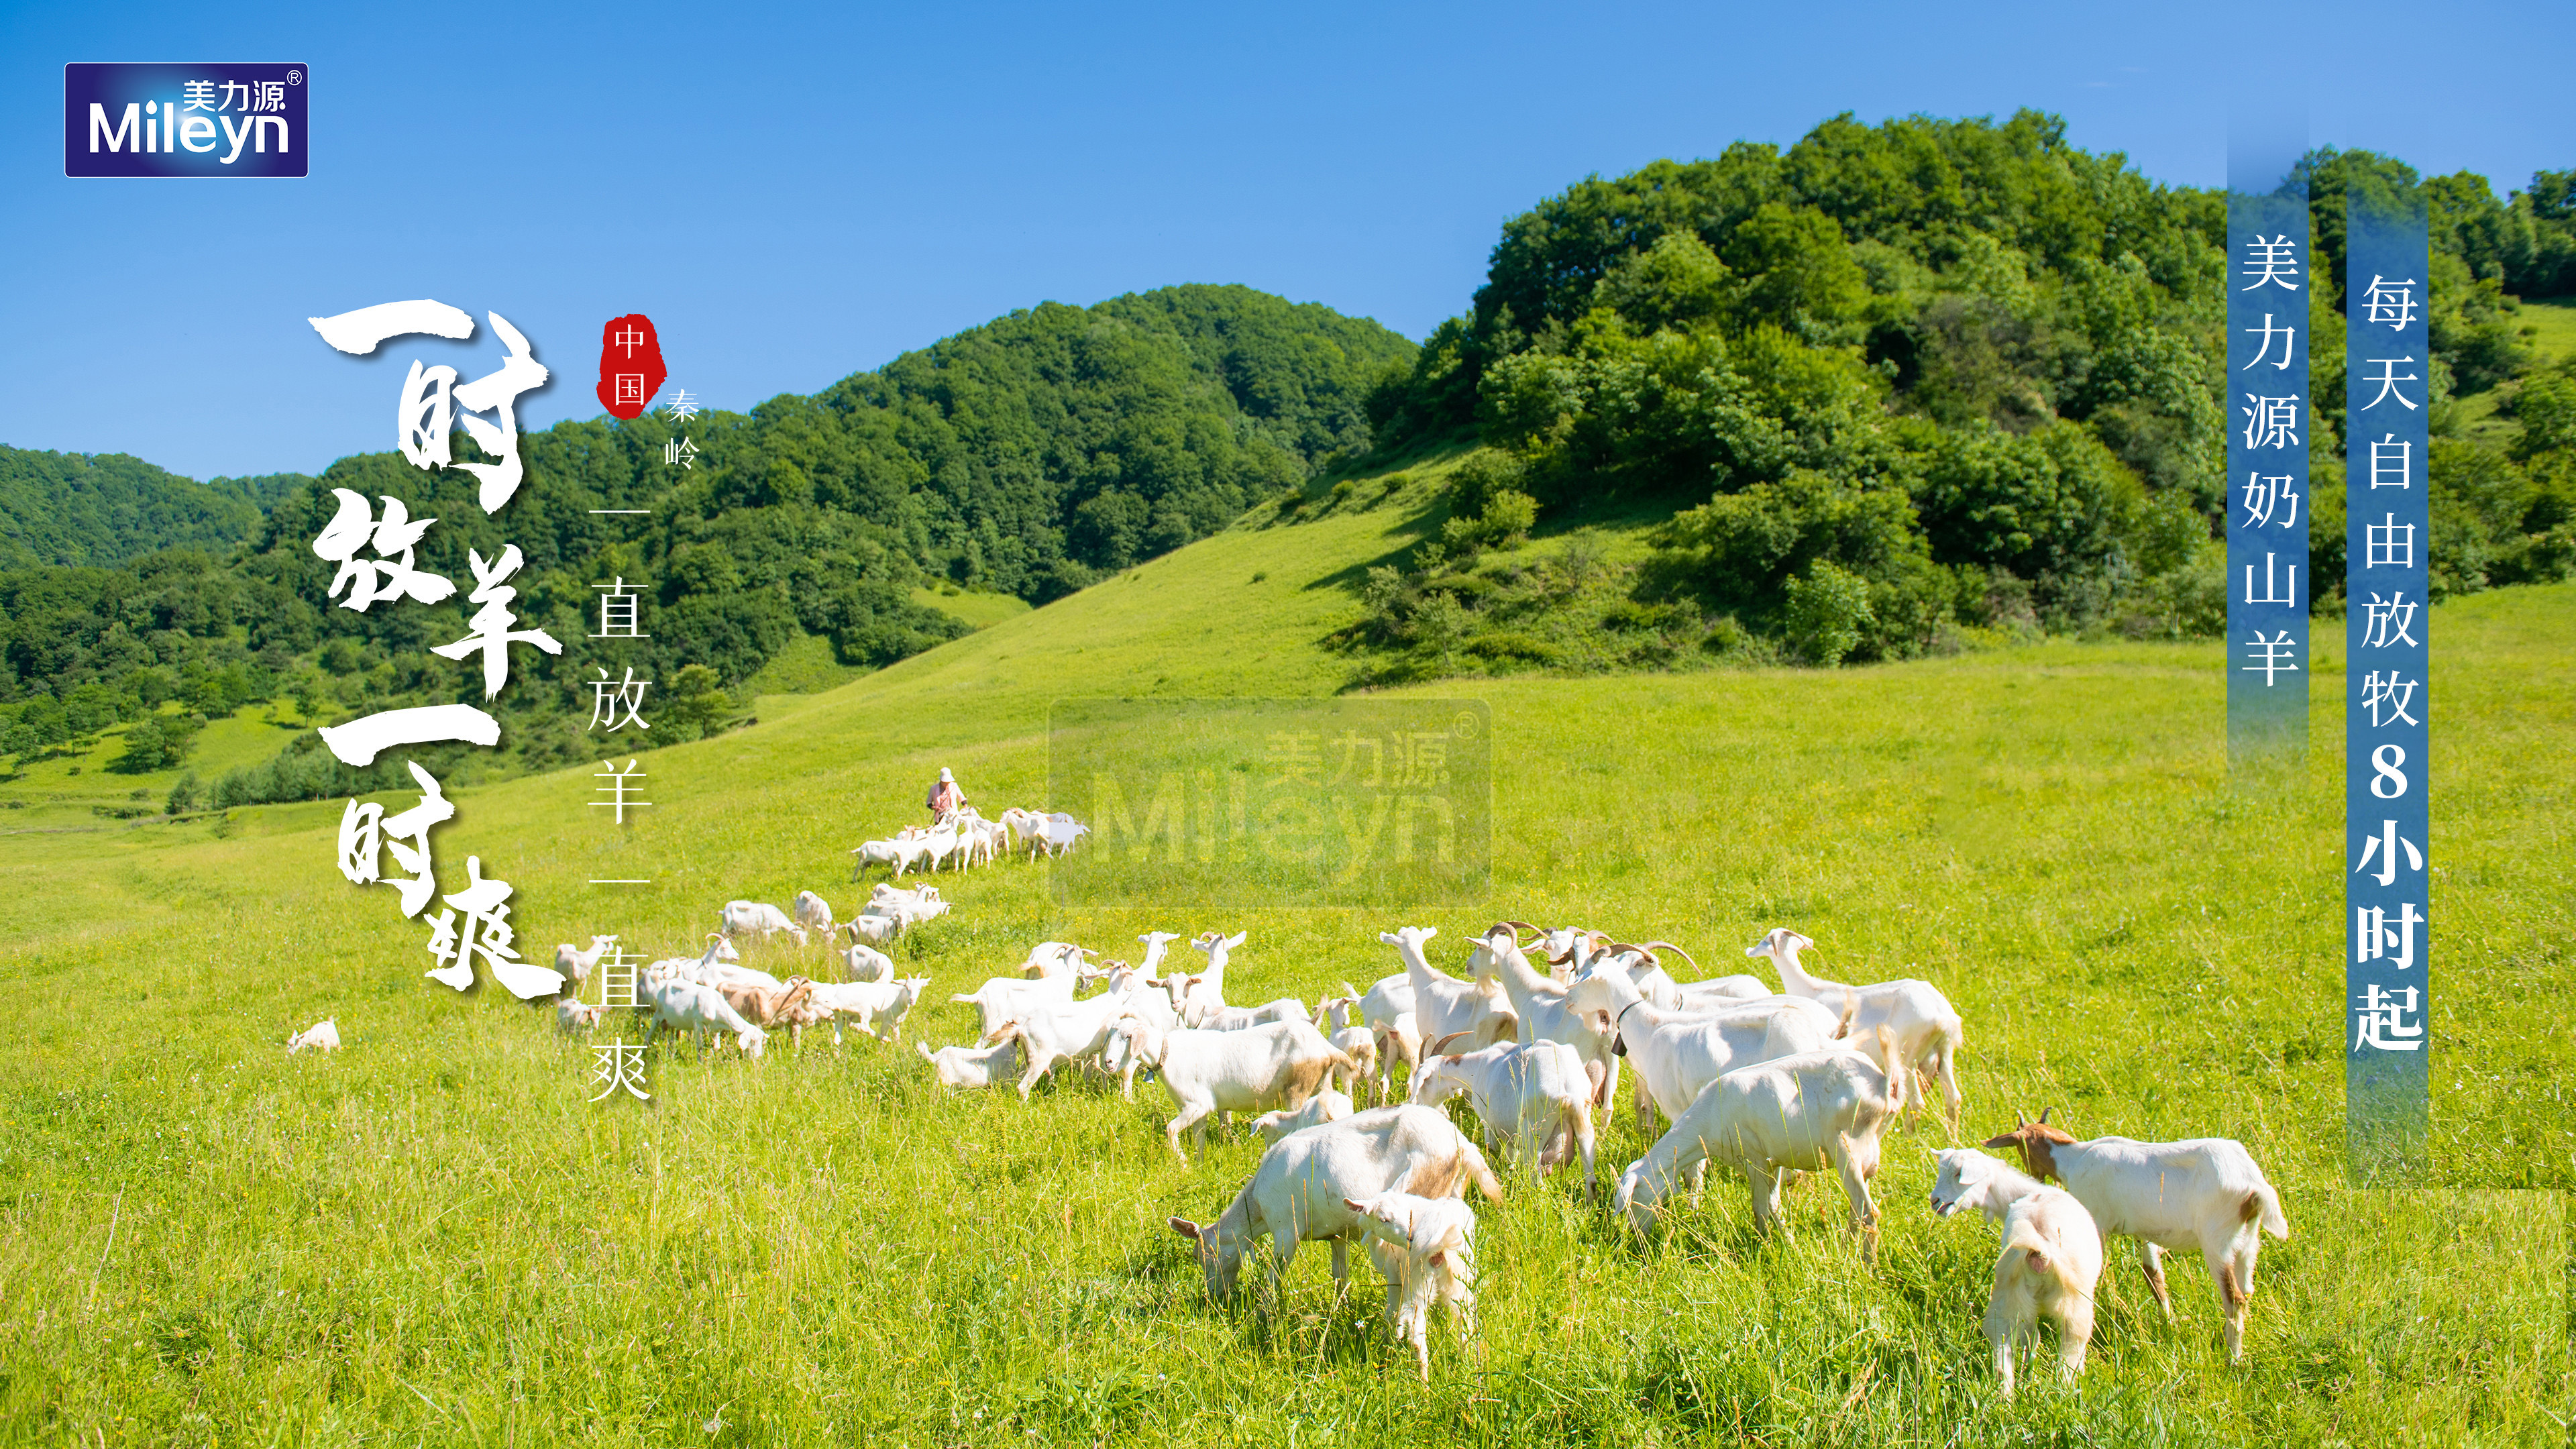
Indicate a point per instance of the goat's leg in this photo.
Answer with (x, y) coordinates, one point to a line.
(2074, 1333)
(1856, 1186)
(2152, 1257)
(2000, 1336)
(2232, 1299)
(1039, 1062)
(1341, 1263)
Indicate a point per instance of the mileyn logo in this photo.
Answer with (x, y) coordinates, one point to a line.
(184, 118)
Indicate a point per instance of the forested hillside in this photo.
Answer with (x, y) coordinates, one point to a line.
(105, 508)
(1026, 456)
(1902, 383)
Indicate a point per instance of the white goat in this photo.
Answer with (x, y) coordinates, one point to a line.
(1325, 1106)
(1925, 1024)
(878, 1007)
(2203, 1193)
(1676, 1054)
(867, 963)
(697, 1010)
(1541, 1010)
(575, 965)
(759, 918)
(1534, 1094)
(1008, 998)
(1196, 995)
(2052, 1256)
(1801, 1113)
(813, 912)
(572, 1017)
(1064, 1031)
(1278, 1065)
(1443, 1005)
(964, 1066)
(1306, 1181)
(1426, 1250)
(321, 1036)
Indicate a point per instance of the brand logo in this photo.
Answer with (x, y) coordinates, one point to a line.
(184, 118)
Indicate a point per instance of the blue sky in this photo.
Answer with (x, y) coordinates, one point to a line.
(797, 193)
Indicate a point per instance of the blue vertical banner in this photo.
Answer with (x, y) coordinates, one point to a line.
(2387, 847)
(2267, 463)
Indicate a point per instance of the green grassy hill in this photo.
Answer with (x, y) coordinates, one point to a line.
(434, 1235)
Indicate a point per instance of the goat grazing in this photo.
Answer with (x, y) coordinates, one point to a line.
(1306, 1181)
(2203, 1193)
(2051, 1260)
(1426, 1250)
(1801, 1113)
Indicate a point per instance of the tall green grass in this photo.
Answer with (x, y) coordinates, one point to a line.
(435, 1237)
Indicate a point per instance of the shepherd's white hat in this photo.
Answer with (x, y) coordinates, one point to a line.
(944, 775)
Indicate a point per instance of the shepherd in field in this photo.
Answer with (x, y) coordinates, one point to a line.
(945, 797)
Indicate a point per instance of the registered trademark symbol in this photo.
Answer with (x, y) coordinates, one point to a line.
(295, 77)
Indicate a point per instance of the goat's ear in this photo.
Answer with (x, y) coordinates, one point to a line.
(1185, 1228)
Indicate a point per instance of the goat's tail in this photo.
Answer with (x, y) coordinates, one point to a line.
(2263, 1206)
(1477, 1171)
(2028, 1256)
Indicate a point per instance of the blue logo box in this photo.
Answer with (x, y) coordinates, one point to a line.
(185, 118)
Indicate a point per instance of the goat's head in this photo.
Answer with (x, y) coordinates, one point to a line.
(1219, 1253)
(2036, 1141)
(1410, 937)
(1965, 1178)
(1778, 942)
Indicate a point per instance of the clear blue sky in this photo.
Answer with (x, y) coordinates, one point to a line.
(798, 193)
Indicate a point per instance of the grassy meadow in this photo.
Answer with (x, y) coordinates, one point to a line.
(434, 1237)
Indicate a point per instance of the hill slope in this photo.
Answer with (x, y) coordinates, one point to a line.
(1022, 457)
(2042, 832)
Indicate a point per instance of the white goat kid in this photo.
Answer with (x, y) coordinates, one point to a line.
(1306, 1181)
(575, 965)
(321, 1036)
(1325, 1106)
(2204, 1193)
(2051, 1261)
(812, 912)
(1426, 1250)
(1925, 1024)
(964, 1066)
(1535, 1094)
(1803, 1113)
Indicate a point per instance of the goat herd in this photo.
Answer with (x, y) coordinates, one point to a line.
(1774, 1085)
